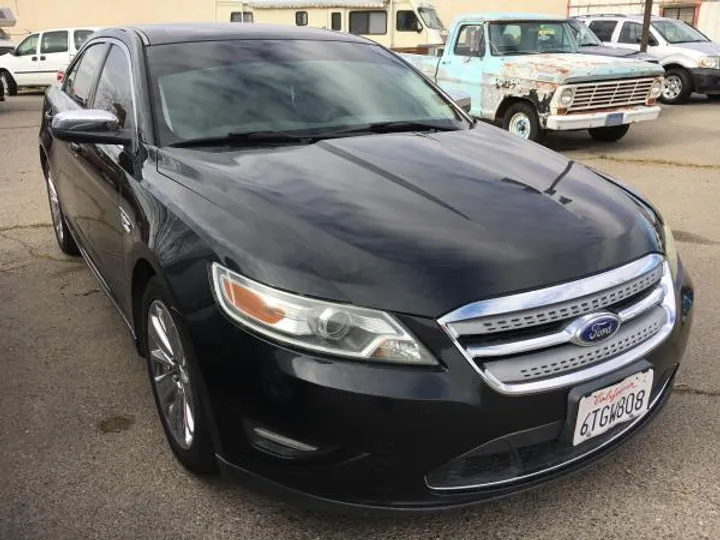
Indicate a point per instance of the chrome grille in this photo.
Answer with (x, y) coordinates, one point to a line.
(524, 343)
(609, 94)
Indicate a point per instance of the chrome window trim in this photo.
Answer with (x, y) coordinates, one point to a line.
(590, 452)
(560, 293)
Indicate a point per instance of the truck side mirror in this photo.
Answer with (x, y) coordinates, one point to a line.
(417, 26)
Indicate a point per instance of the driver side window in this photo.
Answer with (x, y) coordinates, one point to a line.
(28, 46)
(469, 34)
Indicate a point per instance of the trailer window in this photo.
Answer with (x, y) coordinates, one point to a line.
(336, 21)
(368, 22)
(301, 18)
(407, 21)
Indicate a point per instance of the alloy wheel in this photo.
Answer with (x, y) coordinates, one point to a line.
(55, 210)
(170, 374)
(672, 87)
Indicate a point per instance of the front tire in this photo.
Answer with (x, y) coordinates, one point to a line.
(677, 86)
(609, 134)
(713, 97)
(521, 119)
(8, 83)
(62, 232)
(174, 380)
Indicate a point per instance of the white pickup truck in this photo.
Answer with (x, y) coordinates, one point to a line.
(527, 73)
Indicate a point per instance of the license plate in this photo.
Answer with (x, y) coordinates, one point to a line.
(606, 408)
(614, 119)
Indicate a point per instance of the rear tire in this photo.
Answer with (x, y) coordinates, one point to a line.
(174, 379)
(521, 119)
(609, 134)
(8, 83)
(677, 87)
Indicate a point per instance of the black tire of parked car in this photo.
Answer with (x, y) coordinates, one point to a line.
(62, 232)
(713, 97)
(536, 132)
(609, 134)
(8, 82)
(686, 86)
(199, 456)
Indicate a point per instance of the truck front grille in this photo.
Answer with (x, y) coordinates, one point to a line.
(610, 94)
(526, 343)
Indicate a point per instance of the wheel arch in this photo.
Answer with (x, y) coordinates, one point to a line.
(508, 102)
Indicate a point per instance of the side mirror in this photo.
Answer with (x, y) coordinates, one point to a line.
(475, 43)
(463, 99)
(417, 26)
(89, 126)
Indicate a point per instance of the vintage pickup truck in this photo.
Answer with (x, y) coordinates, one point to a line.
(527, 73)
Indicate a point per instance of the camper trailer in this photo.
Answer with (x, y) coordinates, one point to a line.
(402, 25)
(7, 20)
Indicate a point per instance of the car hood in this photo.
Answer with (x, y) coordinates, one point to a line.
(573, 68)
(709, 48)
(617, 52)
(413, 223)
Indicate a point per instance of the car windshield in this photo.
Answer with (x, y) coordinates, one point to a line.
(678, 32)
(216, 88)
(583, 35)
(531, 37)
(431, 18)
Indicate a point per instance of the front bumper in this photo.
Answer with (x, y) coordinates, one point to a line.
(382, 435)
(574, 121)
(706, 81)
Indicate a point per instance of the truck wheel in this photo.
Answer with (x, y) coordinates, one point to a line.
(609, 134)
(677, 87)
(8, 83)
(522, 120)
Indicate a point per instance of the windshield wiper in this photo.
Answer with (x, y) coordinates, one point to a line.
(386, 127)
(241, 138)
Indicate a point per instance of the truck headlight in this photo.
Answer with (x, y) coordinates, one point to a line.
(656, 89)
(567, 95)
(316, 325)
(711, 62)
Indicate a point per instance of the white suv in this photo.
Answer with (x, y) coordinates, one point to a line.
(690, 59)
(38, 58)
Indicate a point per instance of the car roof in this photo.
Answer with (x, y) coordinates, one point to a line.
(507, 16)
(623, 17)
(70, 29)
(163, 34)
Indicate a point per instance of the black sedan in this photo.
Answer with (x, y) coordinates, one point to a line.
(349, 293)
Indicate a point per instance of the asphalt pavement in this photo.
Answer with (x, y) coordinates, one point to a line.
(82, 453)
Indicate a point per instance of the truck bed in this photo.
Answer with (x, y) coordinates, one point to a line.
(427, 64)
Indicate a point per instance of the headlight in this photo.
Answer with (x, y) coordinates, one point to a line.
(711, 62)
(566, 97)
(670, 249)
(316, 325)
(656, 89)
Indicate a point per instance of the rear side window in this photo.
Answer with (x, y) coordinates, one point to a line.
(79, 81)
(242, 16)
(368, 22)
(631, 33)
(336, 21)
(301, 18)
(603, 29)
(114, 93)
(54, 42)
(80, 37)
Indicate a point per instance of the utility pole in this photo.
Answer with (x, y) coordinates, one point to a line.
(646, 25)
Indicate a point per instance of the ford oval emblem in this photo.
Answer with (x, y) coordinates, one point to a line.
(593, 329)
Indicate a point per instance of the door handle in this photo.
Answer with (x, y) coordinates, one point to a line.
(42, 58)
(34, 59)
(75, 148)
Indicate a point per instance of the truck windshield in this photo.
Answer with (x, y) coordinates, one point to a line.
(531, 37)
(583, 35)
(293, 87)
(431, 18)
(678, 31)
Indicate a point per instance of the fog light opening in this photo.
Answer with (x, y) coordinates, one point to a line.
(279, 445)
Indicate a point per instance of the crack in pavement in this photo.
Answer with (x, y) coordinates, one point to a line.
(32, 250)
(28, 226)
(682, 388)
(650, 161)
